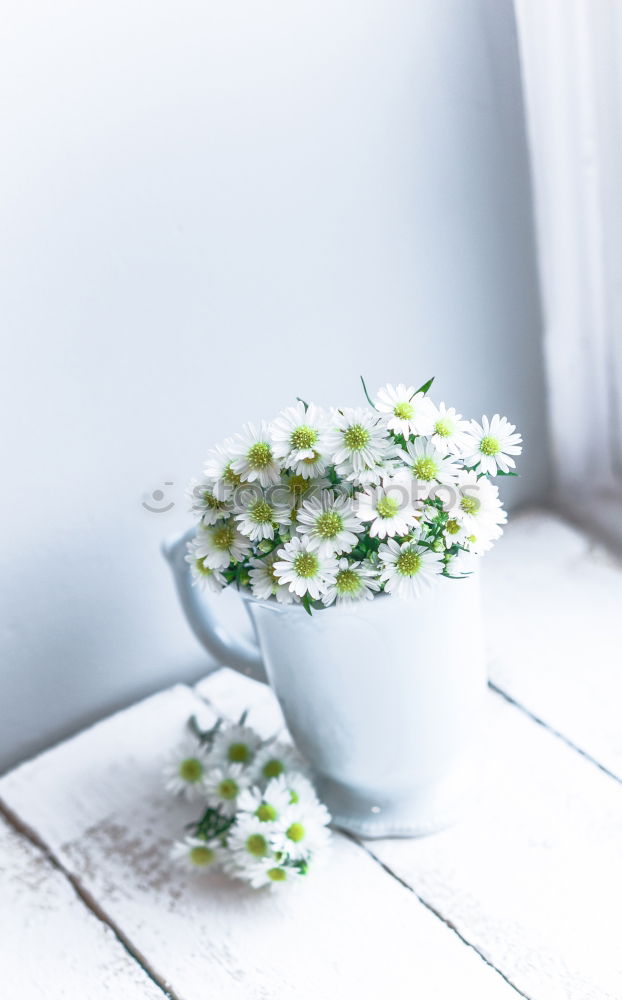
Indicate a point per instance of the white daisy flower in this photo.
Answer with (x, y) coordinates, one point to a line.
(185, 770)
(202, 574)
(258, 517)
(482, 536)
(473, 499)
(303, 830)
(219, 465)
(268, 805)
(208, 498)
(198, 854)
(300, 789)
(221, 543)
(276, 760)
(234, 745)
(408, 568)
(299, 434)
(449, 430)
(354, 581)
(223, 785)
(264, 583)
(357, 440)
(249, 841)
(429, 466)
(303, 569)
(491, 444)
(390, 507)
(409, 412)
(253, 455)
(329, 523)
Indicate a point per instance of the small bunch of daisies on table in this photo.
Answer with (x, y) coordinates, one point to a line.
(261, 820)
(322, 506)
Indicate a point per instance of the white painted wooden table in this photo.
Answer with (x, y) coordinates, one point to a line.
(522, 898)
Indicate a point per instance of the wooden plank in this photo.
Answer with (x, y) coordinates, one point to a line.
(51, 945)
(532, 876)
(351, 930)
(553, 609)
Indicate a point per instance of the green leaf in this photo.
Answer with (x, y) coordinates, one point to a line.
(366, 392)
(304, 403)
(306, 603)
(425, 387)
(500, 473)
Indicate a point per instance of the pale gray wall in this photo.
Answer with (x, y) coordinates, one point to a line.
(208, 209)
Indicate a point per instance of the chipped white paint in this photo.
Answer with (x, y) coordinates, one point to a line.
(352, 930)
(553, 608)
(51, 945)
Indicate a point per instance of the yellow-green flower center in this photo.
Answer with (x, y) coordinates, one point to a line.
(257, 845)
(227, 789)
(201, 856)
(303, 437)
(259, 455)
(260, 512)
(277, 874)
(311, 459)
(272, 768)
(470, 505)
(210, 501)
(387, 507)
(443, 427)
(489, 445)
(202, 567)
(295, 832)
(403, 411)
(239, 753)
(408, 563)
(328, 524)
(347, 582)
(356, 437)
(191, 770)
(223, 536)
(266, 813)
(306, 565)
(425, 469)
(452, 527)
(230, 476)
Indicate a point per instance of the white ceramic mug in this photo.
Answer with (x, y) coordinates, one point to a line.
(382, 697)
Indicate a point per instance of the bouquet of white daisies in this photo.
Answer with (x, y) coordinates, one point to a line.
(261, 820)
(331, 506)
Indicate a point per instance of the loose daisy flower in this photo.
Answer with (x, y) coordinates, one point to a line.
(234, 745)
(198, 854)
(267, 805)
(303, 569)
(491, 444)
(329, 523)
(303, 830)
(357, 440)
(258, 517)
(472, 500)
(409, 412)
(202, 574)
(390, 507)
(354, 581)
(253, 456)
(220, 544)
(299, 434)
(264, 583)
(208, 498)
(276, 760)
(449, 430)
(428, 466)
(185, 770)
(223, 785)
(408, 568)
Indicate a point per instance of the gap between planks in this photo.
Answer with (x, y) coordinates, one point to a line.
(85, 896)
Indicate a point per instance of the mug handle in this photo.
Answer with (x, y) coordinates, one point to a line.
(228, 650)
